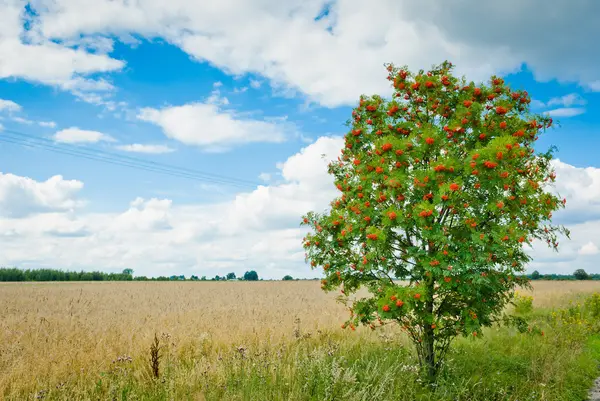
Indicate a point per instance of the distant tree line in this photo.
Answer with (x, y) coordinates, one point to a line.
(14, 274)
(578, 274)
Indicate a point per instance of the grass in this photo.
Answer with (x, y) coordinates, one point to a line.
(267, 341)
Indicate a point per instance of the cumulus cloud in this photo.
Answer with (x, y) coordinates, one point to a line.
(581, 188)
(76, 135)
(31, 56)
(566, 102)
(209, 126)
(572, 99)
(145, 148)
(9, 105)
(22, 196)
(257, 230)
(336, 57)
(589, 249)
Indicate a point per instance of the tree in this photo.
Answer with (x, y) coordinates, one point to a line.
(535, 275)
(580, 274)
(251, 276)
(440, 186)
(287, 278)
(230, 276)
(128, 272)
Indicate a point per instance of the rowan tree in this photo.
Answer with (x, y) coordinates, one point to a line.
(440, 187)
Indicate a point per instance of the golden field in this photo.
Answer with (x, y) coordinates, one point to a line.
(59, 332)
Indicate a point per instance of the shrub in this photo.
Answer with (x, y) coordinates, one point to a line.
(523, 303)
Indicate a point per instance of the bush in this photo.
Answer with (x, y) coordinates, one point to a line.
(592, 304)
(523, 303)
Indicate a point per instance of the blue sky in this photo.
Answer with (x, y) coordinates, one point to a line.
(203, 89)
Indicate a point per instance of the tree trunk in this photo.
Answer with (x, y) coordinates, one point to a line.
(429, 338)
(430, 368)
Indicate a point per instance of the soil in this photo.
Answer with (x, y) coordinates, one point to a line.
(595, 392)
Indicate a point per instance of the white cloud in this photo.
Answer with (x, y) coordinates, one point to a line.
(266, 177)
(50, 63)
(76, 135)
(47, 124)
(566, 112)
(22, 120)
(339, 56)
(567, 102)
(255, 230)
(145, 148)
(208, 126)
(9, 105)
(216, 99)
(29, 55)
(572, 99)
(153, 214)
(589, 249)
(22, 196)
(581, 188)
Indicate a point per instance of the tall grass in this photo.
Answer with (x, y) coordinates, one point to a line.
(268, 341)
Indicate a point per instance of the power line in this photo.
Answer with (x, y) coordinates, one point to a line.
(52, 145)
(31, 141)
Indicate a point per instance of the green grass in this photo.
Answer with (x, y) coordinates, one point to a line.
(503, 365)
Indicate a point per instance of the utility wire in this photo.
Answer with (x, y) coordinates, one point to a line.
(22, 139)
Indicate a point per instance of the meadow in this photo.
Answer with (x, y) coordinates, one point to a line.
(271, 341)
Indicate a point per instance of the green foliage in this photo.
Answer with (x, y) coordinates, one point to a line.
(440, 187)
(231, 276)
(523, 303)
(580, 274)
(535, 275)
(564, 277)
(287, 278)
(593, 305)
(13, 274)
(251, 276)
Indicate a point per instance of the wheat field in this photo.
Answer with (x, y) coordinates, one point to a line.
(59, 332)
